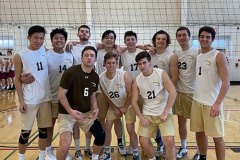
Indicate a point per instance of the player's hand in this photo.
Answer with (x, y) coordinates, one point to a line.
(163, 117)
(27, 78)
(77, 115)
(22, 107)
(152, 50)
(145, 122)
(69, 46)
(94, 114)
(215, 111)
(123, 109)
(117, 111)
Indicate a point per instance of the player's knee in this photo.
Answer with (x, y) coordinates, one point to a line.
(23, 139)
(42, 133)
(98, 133)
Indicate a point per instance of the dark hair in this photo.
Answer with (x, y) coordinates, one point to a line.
(207, 29)
(141, 55)
(59, 30)
(83, 26)
(185, 29)
(89, 48)
(161, 32)
(110, 55)
(130, 33)
(36, 29)
(107, 32)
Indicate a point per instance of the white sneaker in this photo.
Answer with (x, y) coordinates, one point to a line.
(130, 150)
(196, 157)
(160, 151)
(181, 152)
(69, 157)
(105, 156)
(50, 155)
(122, 149)
(78, 155)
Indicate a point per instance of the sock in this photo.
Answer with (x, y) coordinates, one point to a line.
(41, 154)
(203, 157)
(184, 143)
(49, 148)
(135, 151)
(77, 144)
(88, 141)
(197, 151)
(21, 156)
(95, 156)
(154, 158)
(120, 141)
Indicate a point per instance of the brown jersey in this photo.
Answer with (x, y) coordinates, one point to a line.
(80, 86)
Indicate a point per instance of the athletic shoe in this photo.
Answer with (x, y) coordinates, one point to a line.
(135, 157)
(78, 155)
(159, 151)
(196, 157)
(69, 157)
(50, 155)
(88, 152)
(105, 156)
(181, 152)
(122, 149)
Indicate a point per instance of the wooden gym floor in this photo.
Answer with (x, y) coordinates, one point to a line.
(10, 128)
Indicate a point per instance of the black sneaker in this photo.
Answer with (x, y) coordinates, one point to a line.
(88, 152)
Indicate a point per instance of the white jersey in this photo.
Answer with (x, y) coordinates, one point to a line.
(187, 70)
(57, 64)
(100, 68)
(161, 60)
(35, 63)
(129, 63)
(153, 92)
(77, 52)
(208, 82)
(115, 89)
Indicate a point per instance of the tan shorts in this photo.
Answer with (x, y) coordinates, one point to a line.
(130, 115)
(66, 123)
(103, 105)
(54, 107)
(201, 121)
(42, 112)
(167, 127)
(183, 104)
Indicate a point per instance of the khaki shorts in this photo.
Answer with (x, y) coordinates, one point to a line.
(166, 128)
(54, 107)
(66, 123)
(130, 115)
(201, 121)
(103, 105)
(183, 104)
(42, 112)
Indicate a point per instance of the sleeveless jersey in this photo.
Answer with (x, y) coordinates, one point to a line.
(35, 62)
(187, 70)
(114, 89)
(161, 60)
(208, 82)
(153, 92)
(77, 52)
(57, 64)
(129, 63)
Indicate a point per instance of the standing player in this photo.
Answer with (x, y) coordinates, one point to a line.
(34, 97)
(58, 62)
(116, 86)
(185, 86)
(153, 84)
(212, 83)
(77, 96)
(167, 61)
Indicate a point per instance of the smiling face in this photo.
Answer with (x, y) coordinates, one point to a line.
(161, 41)
(183, 38)
(109, 40)
(111, 65)
(58, 41)
(205, 40)
(130, 42)
(36, 40)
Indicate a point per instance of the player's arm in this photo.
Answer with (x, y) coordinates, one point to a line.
(128, 83)
(224, 75)
(173, 69)
(168, 85)
(18, 83)
(118, 49)
(94, 106)
(1, 63)
(148, 47)
(134, 99)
